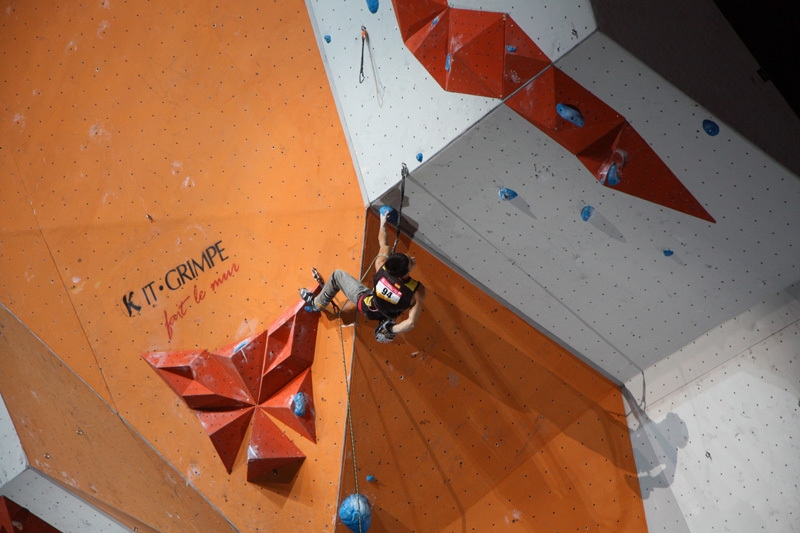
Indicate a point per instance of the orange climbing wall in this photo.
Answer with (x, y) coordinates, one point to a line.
(71, 436)
(171, 172)
(477, 422)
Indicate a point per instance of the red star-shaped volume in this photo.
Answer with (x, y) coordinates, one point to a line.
(233, 388)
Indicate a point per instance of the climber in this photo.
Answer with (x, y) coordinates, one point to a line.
(393, 292)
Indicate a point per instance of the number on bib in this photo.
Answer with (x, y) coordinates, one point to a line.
(386, 291)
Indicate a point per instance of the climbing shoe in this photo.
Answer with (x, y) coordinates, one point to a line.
(308, 297)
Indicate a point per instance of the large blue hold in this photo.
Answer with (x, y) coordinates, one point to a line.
(391, 214)
(572, 114)
(710, 127)
(372, 5)
(507, 194)
(612, 178)
(300, 404)
(354, 508)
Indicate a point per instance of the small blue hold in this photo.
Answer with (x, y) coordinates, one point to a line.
(391, 214)
(511, 49)
(668, 252)
(372, 5)
(300, 401)
(507, 194)
(586, 212)
(447, 63)
(612, 177)
(327, 38)
(356, 513)
(419, 157)
(371, 478)
(571, 114)
(434, 22)
(710, 127)
(243, 344)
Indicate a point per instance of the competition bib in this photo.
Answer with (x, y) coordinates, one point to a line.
(386, 291)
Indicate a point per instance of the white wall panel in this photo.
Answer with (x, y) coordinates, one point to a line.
(57, 506)
(726, 448)
(406, 113)
(12, 457)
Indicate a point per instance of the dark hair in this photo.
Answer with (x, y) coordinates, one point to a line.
(397, 265)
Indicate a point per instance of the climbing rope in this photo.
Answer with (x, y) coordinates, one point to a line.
(349, 411)
(404, 175)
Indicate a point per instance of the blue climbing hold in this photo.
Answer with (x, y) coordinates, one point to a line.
(419, 157)
(371, 478)
(242, 344)
(327, 38)
(586, 212)
(300, 402)
(372, 5)
(612, 177)
(668, 252)
(354, 510)
(511, 49)
(571, 114)
(447, 63)
(507, 194)
(391, 214)
(710, 127)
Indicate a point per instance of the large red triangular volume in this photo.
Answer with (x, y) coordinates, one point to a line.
(597, 156)
(600, 118)
(605, 135)
(533, 101)
(174, 367)
(271, 456)
(282, 406)
(202, 379)
(290, 348)
(430, 45)
(476, 52)
(538, 102)
(413, 15)
(523, 59)
(227, 430)
(642, 173)
(200, 398)
(247, 357)
(220, 376)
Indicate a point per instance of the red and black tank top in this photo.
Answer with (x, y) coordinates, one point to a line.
(390, 297)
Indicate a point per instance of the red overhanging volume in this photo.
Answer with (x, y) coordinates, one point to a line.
(487, 54)
(469, 51)
(232, 389)
(15, 518)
